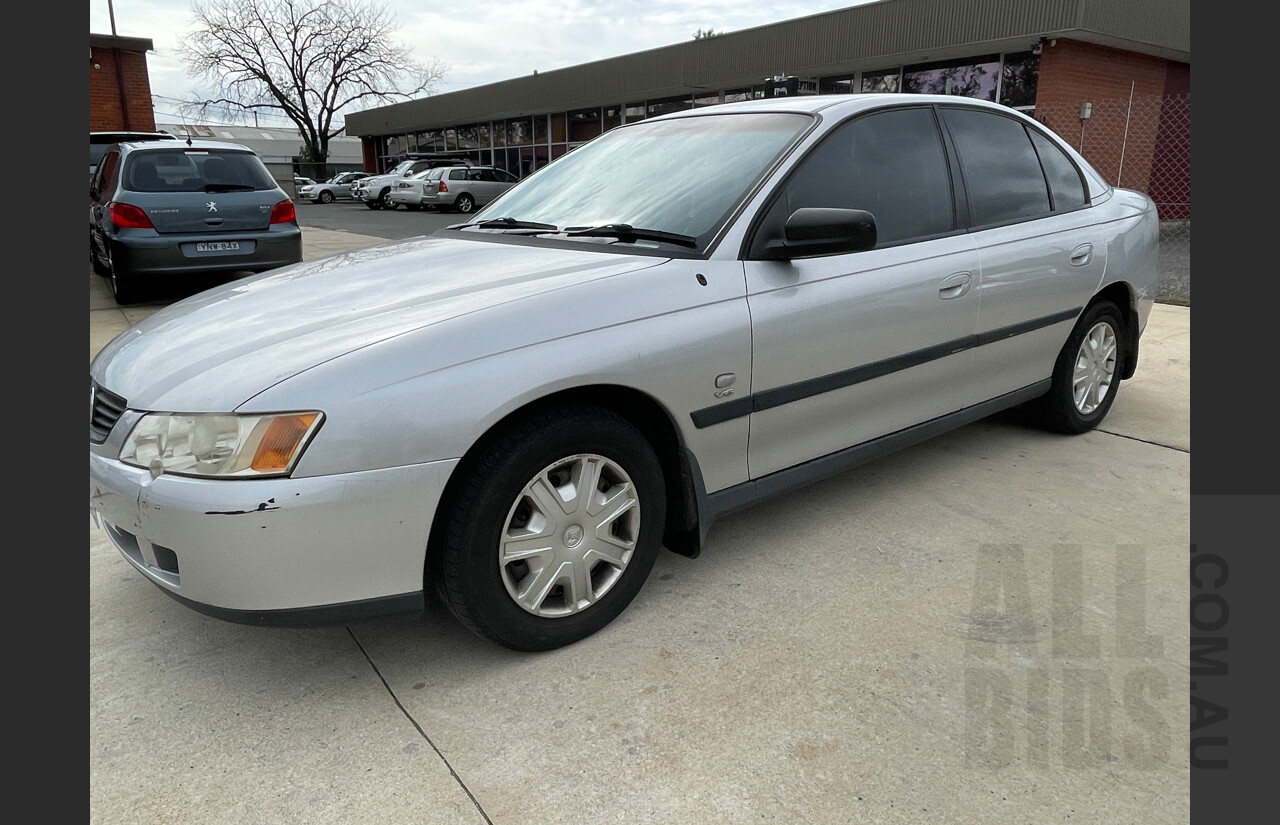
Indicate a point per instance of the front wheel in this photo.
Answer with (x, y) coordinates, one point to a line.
(384, 200)
(1086, 375)
(373, 204)
(554, 529)
(325, 196)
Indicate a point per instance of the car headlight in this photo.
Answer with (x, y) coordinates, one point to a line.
(220, 445)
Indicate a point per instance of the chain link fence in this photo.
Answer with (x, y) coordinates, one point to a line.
(1141, 143)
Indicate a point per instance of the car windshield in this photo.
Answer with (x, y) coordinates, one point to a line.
(683, 176)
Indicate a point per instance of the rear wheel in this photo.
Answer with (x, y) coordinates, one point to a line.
(124, 286)
(1086, 375)
(465, 203)
(554, 529)
(325, 196)
(99, 266)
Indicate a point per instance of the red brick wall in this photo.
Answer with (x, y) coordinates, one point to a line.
(1126, 91)
(120, 92)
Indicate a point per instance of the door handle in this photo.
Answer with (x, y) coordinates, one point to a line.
(1082, 254)
(953, 286)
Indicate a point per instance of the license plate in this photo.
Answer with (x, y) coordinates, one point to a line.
(218, 246)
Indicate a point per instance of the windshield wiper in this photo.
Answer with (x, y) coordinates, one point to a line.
(630, 234)
(507, 223)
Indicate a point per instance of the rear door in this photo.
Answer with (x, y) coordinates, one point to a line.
(1043, 251)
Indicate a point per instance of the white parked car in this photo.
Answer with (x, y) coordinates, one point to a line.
(453, 188)
(375, 190)
(680, 318)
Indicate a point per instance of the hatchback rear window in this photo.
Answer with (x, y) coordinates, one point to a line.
(196, 171)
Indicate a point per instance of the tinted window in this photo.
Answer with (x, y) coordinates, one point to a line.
(195, 171)
(1066, 187)
(891, 164)
(1001, 169)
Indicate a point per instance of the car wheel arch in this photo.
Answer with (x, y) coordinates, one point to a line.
(1123, 296)
(638, 408)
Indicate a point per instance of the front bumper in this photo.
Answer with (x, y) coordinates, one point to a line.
(272, 545)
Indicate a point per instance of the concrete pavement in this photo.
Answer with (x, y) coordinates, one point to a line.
(988, 628)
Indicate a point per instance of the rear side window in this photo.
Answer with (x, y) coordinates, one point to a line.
(1066, 185)
(892, 164)
(1001, 168)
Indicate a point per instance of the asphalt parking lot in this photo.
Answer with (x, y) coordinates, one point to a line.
(988, 628)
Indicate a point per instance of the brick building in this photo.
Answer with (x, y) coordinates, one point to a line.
(119, 84)
(1111, 76)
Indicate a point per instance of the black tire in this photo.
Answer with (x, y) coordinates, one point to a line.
(465, 203)
(99, 266)
(373, 204)
(325, 196)
(124, 288)
(494, 502)
(384, 200)
(1086, 375)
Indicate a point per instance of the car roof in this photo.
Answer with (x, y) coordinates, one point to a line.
(166, 146)
(121, 137)
(841, 104)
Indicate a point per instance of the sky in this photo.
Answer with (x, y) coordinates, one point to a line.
(481, 41)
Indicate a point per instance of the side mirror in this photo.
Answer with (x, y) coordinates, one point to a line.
(822, 231)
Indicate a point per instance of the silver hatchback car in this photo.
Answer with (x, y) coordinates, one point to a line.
(167, 209)
(678, 319)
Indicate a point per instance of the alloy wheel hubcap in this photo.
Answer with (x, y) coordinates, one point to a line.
(569, 536)
(1095, 368)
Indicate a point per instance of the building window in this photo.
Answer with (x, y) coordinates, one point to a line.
(735, 95)
(1018, 80)
(972, 77)
(559, 128)
(584, 124)
(670, 104)
(706, 100)
(612, 116)
(520, 131)
(635, 111)
(882, 80)
(837, 85)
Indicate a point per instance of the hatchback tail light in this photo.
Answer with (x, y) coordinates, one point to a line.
(128, 216)
(283, 212)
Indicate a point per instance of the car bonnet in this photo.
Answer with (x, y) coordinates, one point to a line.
(217, 349)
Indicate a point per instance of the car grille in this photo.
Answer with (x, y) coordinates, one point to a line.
(105, 409)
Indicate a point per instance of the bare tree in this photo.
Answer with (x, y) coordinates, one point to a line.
(703, 35)
(307, 59)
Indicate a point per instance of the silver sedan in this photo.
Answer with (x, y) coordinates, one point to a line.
(678, 319)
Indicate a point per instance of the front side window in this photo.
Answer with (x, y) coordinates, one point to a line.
(891, 164)
(1001, 170)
